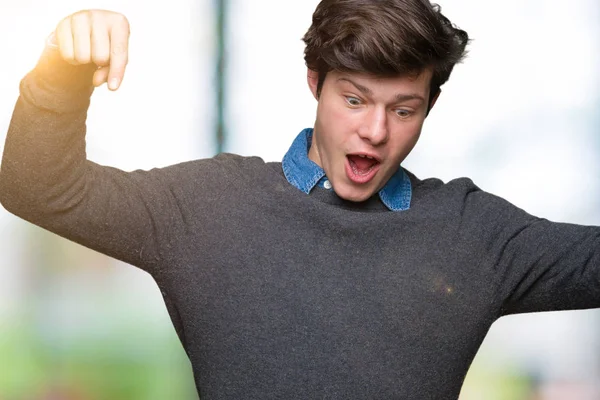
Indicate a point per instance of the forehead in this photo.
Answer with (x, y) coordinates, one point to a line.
(415, 82)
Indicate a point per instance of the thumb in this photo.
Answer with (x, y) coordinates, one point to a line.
(100, 76)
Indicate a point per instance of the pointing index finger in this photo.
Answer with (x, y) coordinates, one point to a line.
(119, 52)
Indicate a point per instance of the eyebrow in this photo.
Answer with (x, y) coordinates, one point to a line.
(366, 91)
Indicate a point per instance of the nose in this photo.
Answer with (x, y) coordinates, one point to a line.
(374, 127)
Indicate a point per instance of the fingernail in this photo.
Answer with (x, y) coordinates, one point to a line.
(114, 83)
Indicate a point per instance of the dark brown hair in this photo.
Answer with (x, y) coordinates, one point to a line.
(383, 38)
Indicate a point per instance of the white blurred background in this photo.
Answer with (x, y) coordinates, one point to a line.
(519, 117)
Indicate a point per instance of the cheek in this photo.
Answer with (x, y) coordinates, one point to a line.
(406, 138)
(330, 113)
(334, 122)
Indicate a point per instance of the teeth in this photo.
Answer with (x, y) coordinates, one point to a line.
(363, 156)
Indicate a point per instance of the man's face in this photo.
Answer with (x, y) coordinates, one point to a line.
(365, 127)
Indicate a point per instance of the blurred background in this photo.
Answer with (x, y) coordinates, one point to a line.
(520, 117)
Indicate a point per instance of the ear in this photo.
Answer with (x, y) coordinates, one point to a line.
(313, 81)
(433, 100)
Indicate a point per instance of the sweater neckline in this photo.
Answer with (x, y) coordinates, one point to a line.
(372, 204)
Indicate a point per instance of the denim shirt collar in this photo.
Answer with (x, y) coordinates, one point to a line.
(304, 174)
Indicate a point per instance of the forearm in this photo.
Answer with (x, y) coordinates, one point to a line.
(46, 179)
(44, 155)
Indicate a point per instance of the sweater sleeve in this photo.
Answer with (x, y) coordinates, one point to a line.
(46, 179)
(539, 265)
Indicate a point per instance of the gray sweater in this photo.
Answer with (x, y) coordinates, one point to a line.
(276, 294)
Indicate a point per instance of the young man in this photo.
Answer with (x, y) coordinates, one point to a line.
(333, 274)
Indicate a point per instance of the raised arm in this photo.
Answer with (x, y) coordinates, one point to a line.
(45, 177)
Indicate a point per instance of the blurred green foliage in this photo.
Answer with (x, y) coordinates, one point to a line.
(92, 369)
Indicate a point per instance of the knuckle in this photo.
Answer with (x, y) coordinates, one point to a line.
(63, 23)
(63, 27)
(120, 20)
(97, 20)
(81, 17)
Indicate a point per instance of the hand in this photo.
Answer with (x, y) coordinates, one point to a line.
(96, 36)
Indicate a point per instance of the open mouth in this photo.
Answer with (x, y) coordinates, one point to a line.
(361, 168)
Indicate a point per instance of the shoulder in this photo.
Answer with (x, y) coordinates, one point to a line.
(430, 188)
(220, 166)
(463, 196)
(226, 172)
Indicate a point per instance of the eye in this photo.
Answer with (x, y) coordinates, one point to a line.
(403, 113)
(353, 101)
